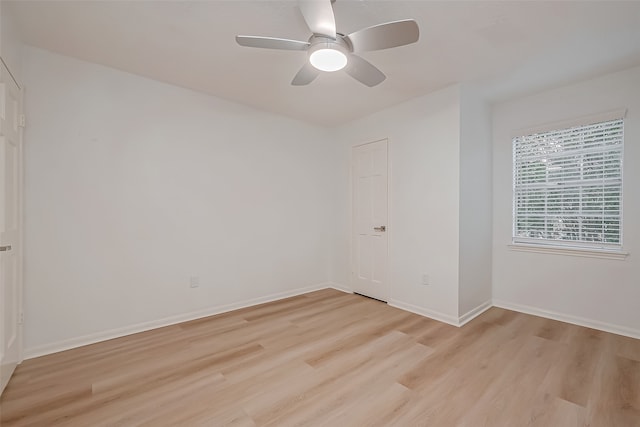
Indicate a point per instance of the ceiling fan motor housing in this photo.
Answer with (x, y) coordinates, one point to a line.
(339, 43)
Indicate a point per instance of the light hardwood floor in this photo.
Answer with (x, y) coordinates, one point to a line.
(334, 359)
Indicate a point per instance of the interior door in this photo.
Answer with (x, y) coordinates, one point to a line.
(10, 176)
(370, 234)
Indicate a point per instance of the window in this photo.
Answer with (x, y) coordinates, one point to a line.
(567, 186)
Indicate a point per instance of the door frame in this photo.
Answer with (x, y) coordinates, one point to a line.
(21, 127)
(389, 231)
(20, 216)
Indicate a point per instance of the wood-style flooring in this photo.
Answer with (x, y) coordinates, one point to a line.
(332, 359)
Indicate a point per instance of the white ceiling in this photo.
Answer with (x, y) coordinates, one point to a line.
(509, 47)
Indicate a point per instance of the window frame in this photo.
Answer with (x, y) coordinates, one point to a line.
(569, 247)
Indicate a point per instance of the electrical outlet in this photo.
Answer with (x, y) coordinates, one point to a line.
(194, 281)
(425, 279)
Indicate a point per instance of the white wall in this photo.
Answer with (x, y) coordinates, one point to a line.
(599, 292)
(133, 186)
(424, 194)
(475, 202)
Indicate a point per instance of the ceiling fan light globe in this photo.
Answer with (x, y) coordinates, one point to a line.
(328, 59)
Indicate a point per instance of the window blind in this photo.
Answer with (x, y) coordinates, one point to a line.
(567, 186)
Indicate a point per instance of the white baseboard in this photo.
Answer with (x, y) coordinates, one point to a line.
(575, 320)
(473, 313)
(442, 317)
(432, 314)
(339, 287)
(30, 353)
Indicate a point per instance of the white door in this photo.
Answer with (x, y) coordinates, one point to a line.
(370, 241)
(10, 183)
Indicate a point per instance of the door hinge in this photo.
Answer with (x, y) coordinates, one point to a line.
(21, 318)
(22, 120)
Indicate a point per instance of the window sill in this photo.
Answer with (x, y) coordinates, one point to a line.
(580, 252)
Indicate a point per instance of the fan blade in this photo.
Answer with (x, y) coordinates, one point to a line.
(271, 43)
(306, 75)
(384, 36)
(363, 71)
(318, 14)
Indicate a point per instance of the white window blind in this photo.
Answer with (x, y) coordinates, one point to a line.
(567, 186)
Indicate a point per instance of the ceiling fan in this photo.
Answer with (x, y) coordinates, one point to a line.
(329, 50)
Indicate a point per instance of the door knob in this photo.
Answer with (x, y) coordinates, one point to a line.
(5, 248)
(381, 228)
